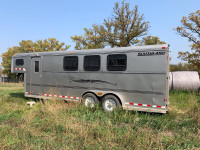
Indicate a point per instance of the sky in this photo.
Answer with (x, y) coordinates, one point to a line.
(61, 19)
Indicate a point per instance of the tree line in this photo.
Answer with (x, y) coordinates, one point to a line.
(28, 46)
(126, 27)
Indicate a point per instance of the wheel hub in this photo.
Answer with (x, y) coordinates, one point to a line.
(89, 101)
(110, 104)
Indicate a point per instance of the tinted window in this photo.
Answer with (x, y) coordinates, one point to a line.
(70, 63)
(92, 63)
(37, 66)
(116, 62)
(19, 62)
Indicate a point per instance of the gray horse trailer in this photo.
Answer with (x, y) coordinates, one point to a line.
(134, 78)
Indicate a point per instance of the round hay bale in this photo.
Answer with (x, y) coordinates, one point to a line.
(170, 80)
(185, 80)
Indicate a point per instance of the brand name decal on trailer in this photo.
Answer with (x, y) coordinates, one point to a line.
(150, 53)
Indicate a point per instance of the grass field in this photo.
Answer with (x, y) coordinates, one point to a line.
(61, 125)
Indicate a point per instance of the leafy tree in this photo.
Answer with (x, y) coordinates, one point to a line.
(151, 40)
(190, 28)
(50, 44)
(122, 29)
(182, 67)
(92, 39)
(125, 26)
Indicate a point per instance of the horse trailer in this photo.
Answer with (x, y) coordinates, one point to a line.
(134, 78)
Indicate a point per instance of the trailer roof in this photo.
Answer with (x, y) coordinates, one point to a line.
(98, 51)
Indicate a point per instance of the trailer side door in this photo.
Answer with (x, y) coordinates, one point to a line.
(36, 76)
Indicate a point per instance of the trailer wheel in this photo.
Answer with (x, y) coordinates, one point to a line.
(89, 100)
(110, 103)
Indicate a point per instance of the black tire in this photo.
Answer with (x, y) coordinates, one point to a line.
(110, 99)
(90, 96)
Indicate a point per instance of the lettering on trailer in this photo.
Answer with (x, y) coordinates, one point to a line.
(150, 53)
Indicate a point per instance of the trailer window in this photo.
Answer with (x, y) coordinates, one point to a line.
(70, 63)
(92, 63)
(116, 62)
(37, 66)
(19, 62)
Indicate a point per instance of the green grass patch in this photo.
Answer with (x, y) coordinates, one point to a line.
(60, 125)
